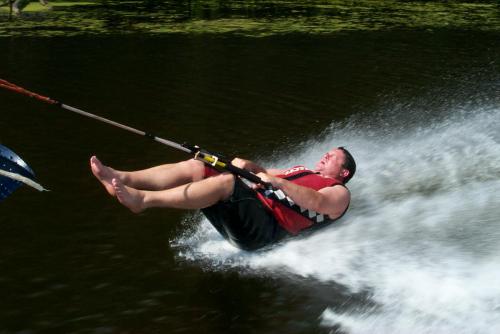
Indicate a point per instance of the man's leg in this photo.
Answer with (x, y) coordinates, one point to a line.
(194, 195)
(156, 178)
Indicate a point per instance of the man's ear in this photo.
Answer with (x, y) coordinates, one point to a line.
(345, 173)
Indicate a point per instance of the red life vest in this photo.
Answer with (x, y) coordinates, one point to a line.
(289, 219)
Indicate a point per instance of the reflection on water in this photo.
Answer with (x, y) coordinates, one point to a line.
(256, 18)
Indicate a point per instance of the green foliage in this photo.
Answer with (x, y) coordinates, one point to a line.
(249, 18)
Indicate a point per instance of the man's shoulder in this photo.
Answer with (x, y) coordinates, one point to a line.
(338, 198)
(337, 189)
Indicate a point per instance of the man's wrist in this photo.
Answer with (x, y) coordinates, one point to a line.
(277, 182)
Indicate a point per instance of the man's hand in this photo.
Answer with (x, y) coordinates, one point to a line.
(240, 163)
(274, 181)
(248, 165)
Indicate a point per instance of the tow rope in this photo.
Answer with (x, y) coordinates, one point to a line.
(216, 161)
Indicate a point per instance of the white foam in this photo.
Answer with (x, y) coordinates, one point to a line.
(421, 237)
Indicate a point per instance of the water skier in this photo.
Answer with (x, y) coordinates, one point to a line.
(240, 213)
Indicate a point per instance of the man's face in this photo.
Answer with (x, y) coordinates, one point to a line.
(331, 163)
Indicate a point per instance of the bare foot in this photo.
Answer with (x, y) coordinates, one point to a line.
(104, 174)
(129, 197)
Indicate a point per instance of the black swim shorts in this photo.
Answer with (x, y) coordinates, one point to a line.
(244, 221)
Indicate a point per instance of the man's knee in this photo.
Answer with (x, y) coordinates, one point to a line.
(225, 181)
(195, 168)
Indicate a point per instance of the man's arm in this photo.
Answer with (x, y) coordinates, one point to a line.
(275, 171)
(253, 167)
(331, 201)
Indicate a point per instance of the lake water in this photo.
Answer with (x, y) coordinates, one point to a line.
(410, 88)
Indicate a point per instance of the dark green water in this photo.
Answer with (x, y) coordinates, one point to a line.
(74, 261)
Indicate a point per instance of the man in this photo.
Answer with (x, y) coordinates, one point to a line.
(243, 214)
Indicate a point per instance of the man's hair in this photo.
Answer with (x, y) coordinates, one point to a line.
(348, 164)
